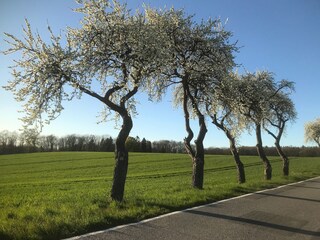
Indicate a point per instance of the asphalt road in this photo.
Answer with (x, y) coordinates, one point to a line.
(289, 212)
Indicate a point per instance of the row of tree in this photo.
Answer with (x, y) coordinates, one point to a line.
(129, 52)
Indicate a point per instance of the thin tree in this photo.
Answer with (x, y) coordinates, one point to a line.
(312, 131)
(112, 48)
(252, 104)
(258, 90)
(282, 110)
(199, 54)
(224, 117)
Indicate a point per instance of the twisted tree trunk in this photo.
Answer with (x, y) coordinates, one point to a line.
(198, 158)
(121, 160)
(232, 142)
(121, 153)
(262, 154)
(285, 159)
(236, 156)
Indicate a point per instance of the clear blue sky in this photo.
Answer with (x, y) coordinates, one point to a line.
(279, 36)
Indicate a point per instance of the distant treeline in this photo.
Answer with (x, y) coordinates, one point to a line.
(13, 142)
(270, 151)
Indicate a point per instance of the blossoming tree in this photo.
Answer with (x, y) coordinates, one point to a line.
(200, 55)
(312, 131)
(282, 111)
(113, 49)
(222, 109)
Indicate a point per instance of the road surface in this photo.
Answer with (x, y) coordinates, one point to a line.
(288, 212)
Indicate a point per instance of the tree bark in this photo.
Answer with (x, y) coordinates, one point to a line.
(285, 159)
(233, 148)
(121, 153)
(121, 160)
(281, 125)
(239, 164)
(262, 154)
(197, 172)
(197, 156)
(198, 159)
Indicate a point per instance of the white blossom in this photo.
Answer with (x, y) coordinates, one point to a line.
(120, 51)
(312, 131)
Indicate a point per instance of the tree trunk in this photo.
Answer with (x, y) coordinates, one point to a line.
(233, 148)
(197, 156)
(262, 154)
(121, 160)
(198, 165)
(197, 172)
(198, 160)
(236, 156)
(285, 160)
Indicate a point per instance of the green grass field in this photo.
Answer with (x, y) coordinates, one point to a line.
(58, 195)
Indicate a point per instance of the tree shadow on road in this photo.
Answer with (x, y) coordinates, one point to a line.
(255, 222)
(302, 186)
(289, 197)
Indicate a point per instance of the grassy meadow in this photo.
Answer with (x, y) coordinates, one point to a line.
(63, 194)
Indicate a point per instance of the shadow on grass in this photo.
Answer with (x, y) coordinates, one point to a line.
(208, 170)
(4, 236)
(58, 231)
